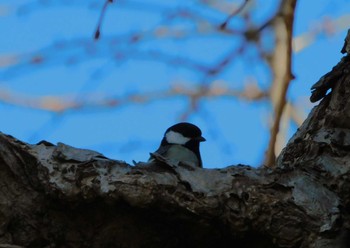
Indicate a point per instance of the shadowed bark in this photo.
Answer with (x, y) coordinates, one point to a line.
(60, 196)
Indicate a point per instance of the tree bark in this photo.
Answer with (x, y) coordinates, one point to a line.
(60, 196)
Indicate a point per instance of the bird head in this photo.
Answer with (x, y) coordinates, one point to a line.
(183, 133)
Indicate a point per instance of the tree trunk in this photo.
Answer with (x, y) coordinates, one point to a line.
(60, 196)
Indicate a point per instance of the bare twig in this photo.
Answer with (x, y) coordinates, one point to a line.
(234, 13)
(62, 104)
(281, 67)
(325, 27)
(100, 20)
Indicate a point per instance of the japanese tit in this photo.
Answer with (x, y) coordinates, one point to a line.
(181, 144)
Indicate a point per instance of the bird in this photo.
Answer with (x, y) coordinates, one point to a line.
(180, 144)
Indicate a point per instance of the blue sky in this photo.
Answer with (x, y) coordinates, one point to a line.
(75, 67)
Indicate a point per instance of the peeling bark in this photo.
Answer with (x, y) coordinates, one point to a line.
(60, 196)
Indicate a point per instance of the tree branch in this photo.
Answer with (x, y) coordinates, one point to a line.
(65, 103)
(281, 67)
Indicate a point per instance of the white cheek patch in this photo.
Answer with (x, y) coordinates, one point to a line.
(176, 138)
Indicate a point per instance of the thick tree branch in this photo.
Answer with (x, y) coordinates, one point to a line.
(71, 187)
(60, 196)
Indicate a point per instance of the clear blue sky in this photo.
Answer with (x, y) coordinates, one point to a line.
(236, 131)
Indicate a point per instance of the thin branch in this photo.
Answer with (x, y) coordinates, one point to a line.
(100, 20)
(62, 104)
(233, 14)
(325, 27)
(281, 67)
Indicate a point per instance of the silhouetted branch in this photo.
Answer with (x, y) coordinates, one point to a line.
(233, 14)
(327, 81)
(100, 20)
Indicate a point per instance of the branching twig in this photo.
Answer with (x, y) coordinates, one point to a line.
(281, 67)
(234, 13)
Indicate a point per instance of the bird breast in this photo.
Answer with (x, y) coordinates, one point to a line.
(179, 153)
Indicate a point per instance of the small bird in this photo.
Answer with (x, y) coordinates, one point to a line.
(181, 144)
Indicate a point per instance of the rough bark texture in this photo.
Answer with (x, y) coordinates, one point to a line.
(60, 196)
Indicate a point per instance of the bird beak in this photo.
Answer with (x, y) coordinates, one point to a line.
(201, 139)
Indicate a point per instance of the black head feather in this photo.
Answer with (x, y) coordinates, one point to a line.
(186, 129)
